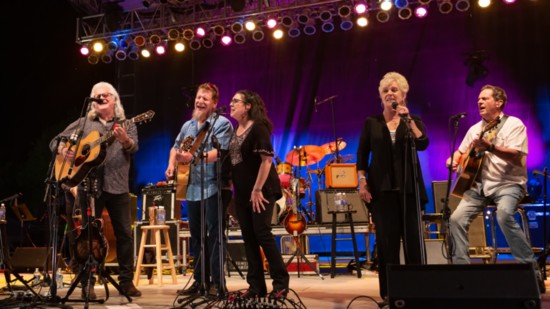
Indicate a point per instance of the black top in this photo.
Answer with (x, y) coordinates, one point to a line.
(383, 161)
(245, 153)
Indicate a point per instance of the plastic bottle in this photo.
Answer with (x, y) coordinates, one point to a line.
(36, 277)
(3, 213)
(59, 278)
(340, 201)
(161, 215)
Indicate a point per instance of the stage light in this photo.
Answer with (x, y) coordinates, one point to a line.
(294, 31)
(237, 27)
(226, 40)
(194, 44)
(360, 8)
(386, 5)
(325, 16)
(344, 11)
(445, 6)
(382, 16)
(179, 46)
(327, 27)
(188, 34)
(287, 21)
(258, 35)
(278, 34)
(154, 39)
(200, 32)
(84, 50)
(208, 41)
(404, 13)
(240, 38)
(401, 4)
(112, 45)
(362, 21)
(120, 54)
(303, 18)
(484, 3)
(124, 43)
(145, 53)
(107, 57)
(173, 34)
(160, 49)
(421, 11)
(309, 28)
(133, 53)
(424, 2)
(509, 1)
(346, 24)
(271, 23)
(250, 25)
(97, 46)
(139, 40)
(462, 5)
(218, 30)
(93, 59)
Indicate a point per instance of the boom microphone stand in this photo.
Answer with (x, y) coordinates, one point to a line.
(544, 256)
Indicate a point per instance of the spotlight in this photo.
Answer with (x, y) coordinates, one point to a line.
(218, 30)
(188, 34)
(386, 5)
(237, 27)
(250, 25)
(445, 6)
(278, 34)
(194, 44)
(173, 34)
(424, 2)
(154, 39)
(207, 42)
(112, 45)
(287, 21)
(382, 16)
(401, 4)
(327, 27)
(360, 8)
(120, 55)
(93, 59)
(258, 35)
(200, 32)
(240, 38)
(226, 40)
(294, 32)
(97, 46)
(107, 57)
(421, 11)
(484, 3)
(362, 21)
(271, 23)
(160, 49)
(303, 18)
(84, 50)
(124, 43)
(133, 53)
(509, 1)
(310, 29)
(346, 24)
(404, 13)
(179, 46)
(145, 53)
(139, 40)
(344, 11)
(462, 5)
(325, 16)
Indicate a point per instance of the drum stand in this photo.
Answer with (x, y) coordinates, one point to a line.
(92, 264)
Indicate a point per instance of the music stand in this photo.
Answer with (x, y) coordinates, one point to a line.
(22, 213)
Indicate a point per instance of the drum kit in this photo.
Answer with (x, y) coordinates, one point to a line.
(294, 186)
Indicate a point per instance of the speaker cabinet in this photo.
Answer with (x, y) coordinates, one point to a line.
(476, 234)
(435, 250)
(325, 203)
(477, 286)
(173, 232)
(161, 196)
(340, 175)
(27, 259)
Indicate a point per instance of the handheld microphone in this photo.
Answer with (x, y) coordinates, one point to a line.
(459, 116)
(98, 101)
(394, 105)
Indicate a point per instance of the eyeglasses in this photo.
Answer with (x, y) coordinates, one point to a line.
(103, 95)
(234, 100)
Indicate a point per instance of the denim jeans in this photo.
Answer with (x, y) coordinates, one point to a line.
(506, 200)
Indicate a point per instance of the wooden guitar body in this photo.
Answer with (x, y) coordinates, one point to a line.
(98, 245)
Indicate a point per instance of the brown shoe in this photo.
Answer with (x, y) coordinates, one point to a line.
(91, 295)
(129, 289)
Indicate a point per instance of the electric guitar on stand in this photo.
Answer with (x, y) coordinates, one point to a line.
(91, 152)
(470, 165)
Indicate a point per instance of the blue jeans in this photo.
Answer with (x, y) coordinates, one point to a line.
(212, 252)
(506, 200)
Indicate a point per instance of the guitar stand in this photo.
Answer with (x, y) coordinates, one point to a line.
(300, 255)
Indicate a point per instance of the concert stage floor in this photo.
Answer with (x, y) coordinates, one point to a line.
(343, 291)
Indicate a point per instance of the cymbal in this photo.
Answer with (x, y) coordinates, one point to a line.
(342, 159)
(317, 171)
(305, 155)
(329, 148)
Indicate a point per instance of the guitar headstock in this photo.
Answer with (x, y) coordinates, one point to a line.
(145, 117)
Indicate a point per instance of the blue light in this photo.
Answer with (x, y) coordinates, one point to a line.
(400, 4)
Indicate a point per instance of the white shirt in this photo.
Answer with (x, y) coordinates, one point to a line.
(496, 172)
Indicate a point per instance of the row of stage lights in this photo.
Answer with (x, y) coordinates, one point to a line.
(306, 21)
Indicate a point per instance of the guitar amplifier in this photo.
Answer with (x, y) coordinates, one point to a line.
(161, 196)
(339, 175)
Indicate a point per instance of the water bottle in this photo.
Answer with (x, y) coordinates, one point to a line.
(36, 277)
(340, 201)
(59, 278)
(3, 213)
(161, 215)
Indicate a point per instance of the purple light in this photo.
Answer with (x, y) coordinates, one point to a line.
(360, 8)
(421, 12)
(160, 49)
(509, 1)
(271, 23)
(226, 40)
(200, 32)
(84, 50)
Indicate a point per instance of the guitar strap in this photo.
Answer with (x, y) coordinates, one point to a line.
(197, 142)
(498, 127)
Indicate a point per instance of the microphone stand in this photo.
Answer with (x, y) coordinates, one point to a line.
(414, 159)
(544, 256)
(446, 211)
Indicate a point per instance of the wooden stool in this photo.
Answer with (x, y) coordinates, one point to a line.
(349, 218)
(159, 247)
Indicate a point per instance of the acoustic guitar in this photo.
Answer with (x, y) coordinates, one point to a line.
(91, 152)
(470, 164)
(182, 169)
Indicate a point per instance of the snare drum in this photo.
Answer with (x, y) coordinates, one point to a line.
(284, 170)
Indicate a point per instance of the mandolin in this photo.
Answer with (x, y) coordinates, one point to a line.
(294, 221)
(470, 165)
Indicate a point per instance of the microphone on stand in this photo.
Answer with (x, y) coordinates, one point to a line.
(315, 103)
(394, 105)
(459, 116)
(98, 101)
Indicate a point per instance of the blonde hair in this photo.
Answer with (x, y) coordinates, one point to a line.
(119, 110)
(398, 78)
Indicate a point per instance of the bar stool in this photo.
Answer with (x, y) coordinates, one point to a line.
(156, 231)
(349, 218)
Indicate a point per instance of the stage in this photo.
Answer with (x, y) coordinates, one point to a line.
(345, 290)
